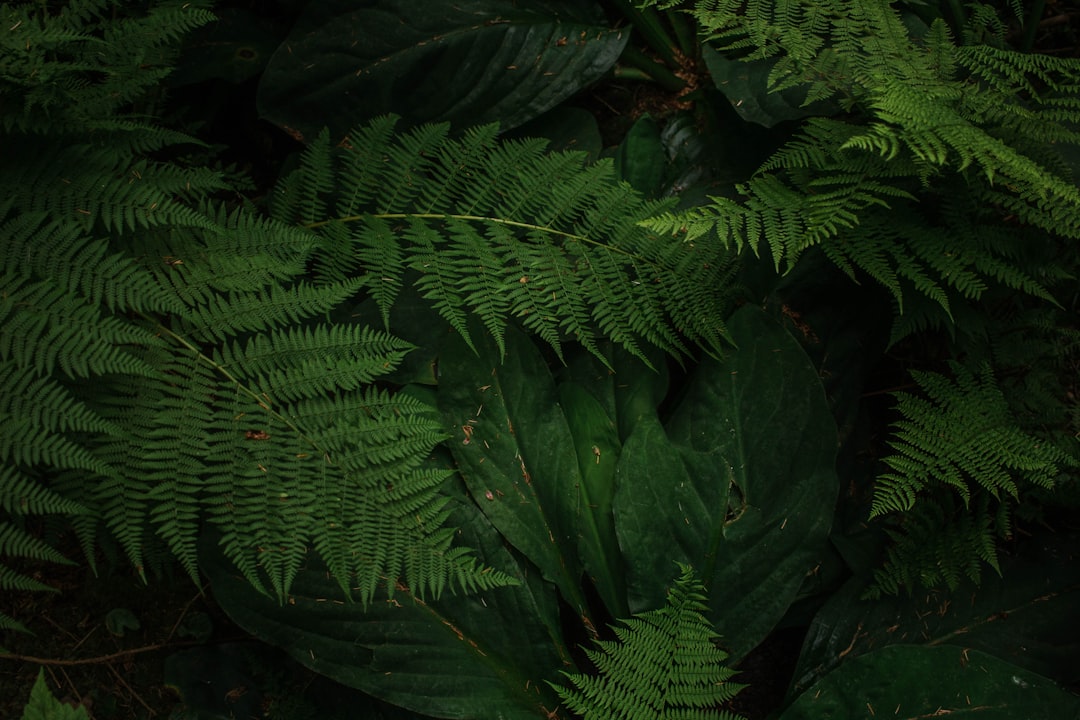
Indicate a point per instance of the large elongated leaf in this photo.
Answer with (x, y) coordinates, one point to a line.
(465, 61)
(479, 656)
(1026, 616)
(905, 682)
(520, 460)
(746, 86)
(739, 484)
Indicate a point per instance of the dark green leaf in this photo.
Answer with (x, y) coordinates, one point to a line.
(740, 484)
(515, 451)
(478, 656)
(641, 160)
(467, 62)
(235, 48)
(905, 682)
(746, 86)
(120, 620)
(1026, 616)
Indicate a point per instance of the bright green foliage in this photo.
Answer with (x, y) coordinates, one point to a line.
(504, 230)
(941, 173)
(43, 706)
(664, 665)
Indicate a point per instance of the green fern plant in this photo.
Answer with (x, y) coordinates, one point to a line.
(167, 372)
(665, 664)
(960, 448)
(502, 230)
(944, 182)
(942, 170)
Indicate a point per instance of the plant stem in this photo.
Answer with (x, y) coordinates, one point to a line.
(647, 22)
(685, 32)
(657, 72)
(1031, 24)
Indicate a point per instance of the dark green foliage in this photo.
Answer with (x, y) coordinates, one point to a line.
(946, 181)
(426, 357)
(960, 448)
(665, 664)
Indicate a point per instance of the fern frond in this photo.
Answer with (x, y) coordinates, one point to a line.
(502, 230)
(227, 315)
(21, 494)
(961, 435)
(664, 665)
(292, 364)
(46, 328)
(79, 64)
(940, 543)
(925, 112)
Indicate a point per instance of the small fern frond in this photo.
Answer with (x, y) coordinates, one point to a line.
(664, 665)
(939, 542)
(295, 363)
(964, 436)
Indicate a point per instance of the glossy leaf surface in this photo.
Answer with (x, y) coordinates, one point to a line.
(485, 655)
(739, 483)
(517, 454)
(469, 62)
(910, 683)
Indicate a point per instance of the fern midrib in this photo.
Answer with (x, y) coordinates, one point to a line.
(262, 400)
(478, 218)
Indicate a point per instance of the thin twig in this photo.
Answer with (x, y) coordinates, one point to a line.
(134, 694)
(183, 613)
(59, 627)
(86, 637)
(95, 660)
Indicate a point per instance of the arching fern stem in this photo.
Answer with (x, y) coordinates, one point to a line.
(476, 218)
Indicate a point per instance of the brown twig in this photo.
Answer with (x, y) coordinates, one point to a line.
(134, 694)
(183, 613)
(96, 660)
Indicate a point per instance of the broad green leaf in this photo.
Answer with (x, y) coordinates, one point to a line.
(468, 62)
(626, 387)
(1026, 616)
(746, 86)
(515, 451)
(739, 484)
(483, 655)
(905, 682)
(43, 706)
(640, 159)
(567, 128)
(234, 48)
(596, 445)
